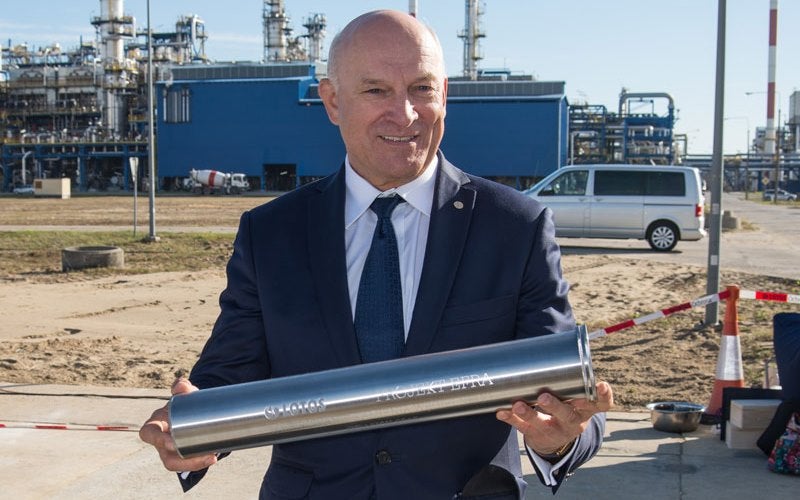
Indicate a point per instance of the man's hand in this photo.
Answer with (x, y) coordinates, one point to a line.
(156, 432)
(552, 424)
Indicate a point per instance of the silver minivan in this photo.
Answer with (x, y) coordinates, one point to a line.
(662, 204)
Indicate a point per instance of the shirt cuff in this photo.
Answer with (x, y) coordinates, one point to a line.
(548, 470)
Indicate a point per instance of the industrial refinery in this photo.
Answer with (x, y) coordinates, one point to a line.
(82, 113)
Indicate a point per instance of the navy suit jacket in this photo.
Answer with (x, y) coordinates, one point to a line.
(491, 273)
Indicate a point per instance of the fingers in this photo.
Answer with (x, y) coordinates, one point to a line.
(561, 411)
(542, 431)
(521, 416)
(172, 461)
(553, 423)
(604, 402)
(152, 433)
(605, 396)
(155, 427)
(182, 386)
(155, 432)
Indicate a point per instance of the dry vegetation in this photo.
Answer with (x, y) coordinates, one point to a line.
(171, 211)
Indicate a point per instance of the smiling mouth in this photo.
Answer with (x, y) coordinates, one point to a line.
(398, 138)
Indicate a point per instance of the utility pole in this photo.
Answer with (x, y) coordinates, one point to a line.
(715, 224)
(151, 142)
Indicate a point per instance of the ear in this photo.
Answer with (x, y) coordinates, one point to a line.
(444, 96)
(327, 92)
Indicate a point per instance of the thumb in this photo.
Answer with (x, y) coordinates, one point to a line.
(182, 385)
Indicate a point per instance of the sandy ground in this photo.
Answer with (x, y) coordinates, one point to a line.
(139, 330)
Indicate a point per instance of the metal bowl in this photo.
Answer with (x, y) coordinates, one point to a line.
(675, 416)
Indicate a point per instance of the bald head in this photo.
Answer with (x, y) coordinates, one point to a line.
(381, 23)
(387, 92)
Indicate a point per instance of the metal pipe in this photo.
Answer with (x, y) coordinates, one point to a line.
(24, 157)
(626, 96)
(401, 391)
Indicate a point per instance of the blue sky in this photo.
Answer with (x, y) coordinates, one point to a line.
(596, 47)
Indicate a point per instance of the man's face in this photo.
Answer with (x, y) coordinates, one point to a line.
(388, 101)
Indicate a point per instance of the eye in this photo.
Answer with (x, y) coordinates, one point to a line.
(425, 90)
(374, 91)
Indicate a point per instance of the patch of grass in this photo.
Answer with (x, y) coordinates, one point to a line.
(37, 254)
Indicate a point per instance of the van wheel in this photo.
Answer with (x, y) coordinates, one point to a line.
(662, 236)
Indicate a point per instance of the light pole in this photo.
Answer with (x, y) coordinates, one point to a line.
(151, 143)
(715, 222)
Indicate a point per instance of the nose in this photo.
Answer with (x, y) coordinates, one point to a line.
(403, 111)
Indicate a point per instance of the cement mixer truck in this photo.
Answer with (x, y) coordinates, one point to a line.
(214, 181)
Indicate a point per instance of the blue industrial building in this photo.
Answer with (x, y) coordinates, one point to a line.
(268, 122)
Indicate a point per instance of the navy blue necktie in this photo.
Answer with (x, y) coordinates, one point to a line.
(379, 305)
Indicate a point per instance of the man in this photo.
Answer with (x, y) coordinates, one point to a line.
(478, 264)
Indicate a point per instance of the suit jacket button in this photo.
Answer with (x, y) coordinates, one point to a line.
(383, 457)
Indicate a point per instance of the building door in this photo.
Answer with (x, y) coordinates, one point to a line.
(280, 177)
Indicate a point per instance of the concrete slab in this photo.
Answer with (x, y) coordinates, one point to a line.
(635, 462)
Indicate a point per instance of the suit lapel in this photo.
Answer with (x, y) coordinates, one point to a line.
(451, 214)
(325, 227)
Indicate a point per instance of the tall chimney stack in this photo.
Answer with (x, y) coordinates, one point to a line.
(769, 139)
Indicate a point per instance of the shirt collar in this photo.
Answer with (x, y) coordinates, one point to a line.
(360, 194)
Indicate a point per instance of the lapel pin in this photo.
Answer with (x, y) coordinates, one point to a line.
(458, 205)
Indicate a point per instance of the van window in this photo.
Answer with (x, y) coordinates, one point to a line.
(666, 184)
(619, 183)
(569, 184)
(638, 183)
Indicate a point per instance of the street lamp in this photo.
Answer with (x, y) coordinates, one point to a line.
(151, 143)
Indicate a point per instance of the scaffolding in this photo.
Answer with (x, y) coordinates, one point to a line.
(640, 132)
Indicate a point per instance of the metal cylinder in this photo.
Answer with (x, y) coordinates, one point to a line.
(434, 386)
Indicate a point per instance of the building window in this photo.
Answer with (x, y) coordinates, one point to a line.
(177, 105)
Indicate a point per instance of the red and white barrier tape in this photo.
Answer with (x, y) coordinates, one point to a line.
(64, 427)
(699, 302)
(773, 296)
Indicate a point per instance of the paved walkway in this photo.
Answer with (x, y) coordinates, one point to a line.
(635, 461)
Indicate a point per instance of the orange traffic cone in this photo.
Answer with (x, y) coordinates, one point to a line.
(729, 362)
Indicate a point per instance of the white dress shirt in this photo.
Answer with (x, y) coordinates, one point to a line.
(411, 221)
